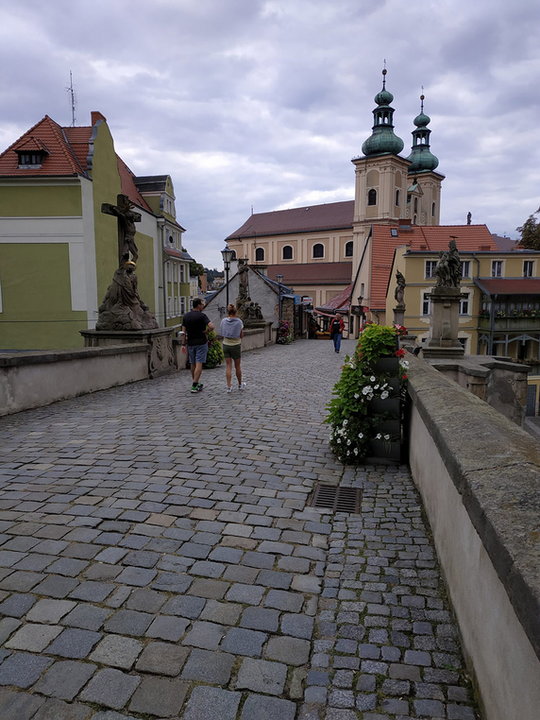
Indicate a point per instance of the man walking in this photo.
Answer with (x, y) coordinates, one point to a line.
(336, 331)
(196, 324)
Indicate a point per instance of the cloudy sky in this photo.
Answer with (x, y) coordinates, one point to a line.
(262, 103)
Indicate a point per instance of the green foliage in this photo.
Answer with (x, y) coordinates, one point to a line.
(530, 233)
(211, 275)
(215, 351)
(196, 269)
(353, 424)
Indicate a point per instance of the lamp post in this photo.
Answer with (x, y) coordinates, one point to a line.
(227, 256)
(279, 279)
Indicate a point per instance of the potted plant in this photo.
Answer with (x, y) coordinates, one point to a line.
(365, 412)
(215, 351)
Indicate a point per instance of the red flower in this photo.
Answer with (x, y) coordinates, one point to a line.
(400, 353)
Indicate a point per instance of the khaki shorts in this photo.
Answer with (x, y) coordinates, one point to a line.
(232, 351)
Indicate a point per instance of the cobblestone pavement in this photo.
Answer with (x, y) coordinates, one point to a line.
(158, 560)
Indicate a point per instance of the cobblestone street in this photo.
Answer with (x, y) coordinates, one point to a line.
(158, 560)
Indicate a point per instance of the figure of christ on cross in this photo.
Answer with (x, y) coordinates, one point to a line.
(126, 227)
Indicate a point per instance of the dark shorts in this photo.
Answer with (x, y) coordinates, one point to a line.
(197, 353)
(232, 351)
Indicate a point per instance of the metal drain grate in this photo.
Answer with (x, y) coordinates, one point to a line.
(338, 499)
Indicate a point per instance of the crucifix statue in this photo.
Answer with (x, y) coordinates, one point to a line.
(126, 227)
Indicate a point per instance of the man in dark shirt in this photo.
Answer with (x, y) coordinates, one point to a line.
(195, 325)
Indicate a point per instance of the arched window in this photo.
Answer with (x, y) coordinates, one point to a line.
(318, 250)
(397, 198)
(349, 249)
(372, 197)
(171, 240)
(432, 209)
(415, 204)
(287, 252)
(259, 254)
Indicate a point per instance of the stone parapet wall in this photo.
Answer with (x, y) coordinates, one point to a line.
(33, 379)
(479, 477)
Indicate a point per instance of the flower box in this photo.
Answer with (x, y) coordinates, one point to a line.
(389, 450)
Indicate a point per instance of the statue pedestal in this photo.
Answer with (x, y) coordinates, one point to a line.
(443, 339)
(399, 314)
(164, 354)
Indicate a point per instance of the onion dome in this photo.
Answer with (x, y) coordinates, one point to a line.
(421, 157)
(383, 140)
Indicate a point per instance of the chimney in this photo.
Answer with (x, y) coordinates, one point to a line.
(97, 116)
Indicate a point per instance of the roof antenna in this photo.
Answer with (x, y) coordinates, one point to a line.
(71, 92)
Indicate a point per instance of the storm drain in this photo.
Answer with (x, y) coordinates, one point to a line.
(338, 499)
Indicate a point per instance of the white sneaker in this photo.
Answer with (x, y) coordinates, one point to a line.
(229, 389)
(242, 386)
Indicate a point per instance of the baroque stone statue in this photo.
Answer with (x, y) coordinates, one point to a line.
(448, 268)
(399, 292)
(127, 249)
(122, 308)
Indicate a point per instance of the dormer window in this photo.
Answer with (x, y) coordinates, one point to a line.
(32, 159)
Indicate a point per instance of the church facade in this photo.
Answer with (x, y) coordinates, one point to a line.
(58, 250)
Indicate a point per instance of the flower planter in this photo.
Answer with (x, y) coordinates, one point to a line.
(384, 450)
(387, 366)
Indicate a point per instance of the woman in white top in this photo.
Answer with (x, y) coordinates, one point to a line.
(231, 330)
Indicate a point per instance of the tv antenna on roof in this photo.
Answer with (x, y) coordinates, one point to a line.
(71, 92)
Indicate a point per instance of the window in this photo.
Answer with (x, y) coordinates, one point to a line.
(464, 305)
(430, 268)
(528, 267)
(259, 254)
(349, 249)
(415, 204)
(372, 197)
(31, 159)
(182, 273)
(171, 240)
(394, 232)
(465, 268)
(426, 304)
(318, 250)
(432, 209)
(496, 268)
(397, 197)
(287, 252)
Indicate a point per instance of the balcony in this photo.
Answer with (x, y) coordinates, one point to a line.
(509, 323)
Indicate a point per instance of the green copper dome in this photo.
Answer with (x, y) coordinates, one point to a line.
(421, 157)
(383, 140)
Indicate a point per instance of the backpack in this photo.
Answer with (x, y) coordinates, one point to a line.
(335, 327)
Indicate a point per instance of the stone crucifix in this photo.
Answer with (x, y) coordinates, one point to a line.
(126, 227)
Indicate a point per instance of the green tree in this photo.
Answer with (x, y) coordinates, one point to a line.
(196, 270)
(530, 232)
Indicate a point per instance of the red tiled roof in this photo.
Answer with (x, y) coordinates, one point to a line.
(78, 138)
(340, 301)
(127, 182)
(59, 160)
(418, 239)
(509, 286)
(312, 273)
(330, 216)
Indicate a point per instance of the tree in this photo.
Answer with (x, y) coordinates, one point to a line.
(530, 233)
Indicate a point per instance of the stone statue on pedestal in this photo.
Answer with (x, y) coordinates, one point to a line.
(448, 268)
(122, 308)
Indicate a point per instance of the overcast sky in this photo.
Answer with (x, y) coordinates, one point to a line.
(263, 103)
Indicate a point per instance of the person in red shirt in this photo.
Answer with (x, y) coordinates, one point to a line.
(336, 331)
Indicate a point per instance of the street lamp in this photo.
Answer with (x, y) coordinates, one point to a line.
(279, 279)
(227, 256)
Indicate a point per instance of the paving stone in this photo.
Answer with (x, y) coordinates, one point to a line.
(284, 600)
(138, 576)
(214, 589)
(258, 618)
(65, 678)
(208, 667)
(186, 606)
(86, 616)
(262, 676)
(54, 709)
(257, 707)
(168, 627)
(146, 600)
(245, 594)
(429, 708)
(23, 669)
(205, 635)
(128, 622)
(162, 658)
(297, 625)
(222, 613)
(290, 650)
(159, 696)
(208, 703)
(74, 643)
(33, 637)
(56, 586)
(49, 611)
(241, 641)
(111, 688)
(8, 626)
(117, 651)
(17, 604)
(17, 705)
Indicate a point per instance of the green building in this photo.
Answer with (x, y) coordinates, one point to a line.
(58, 250)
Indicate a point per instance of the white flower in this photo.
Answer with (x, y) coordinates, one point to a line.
(378, 436)
(366, 390)
(404, 364)
(356, 396)
(360, 435)
(338, 440)
(356, 451)
(345, 422)
(376, 387)
(384, 394)
(387, 437)
(372, 378)
(348, 442)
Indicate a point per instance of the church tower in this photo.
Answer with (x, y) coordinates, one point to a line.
(424, 190)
